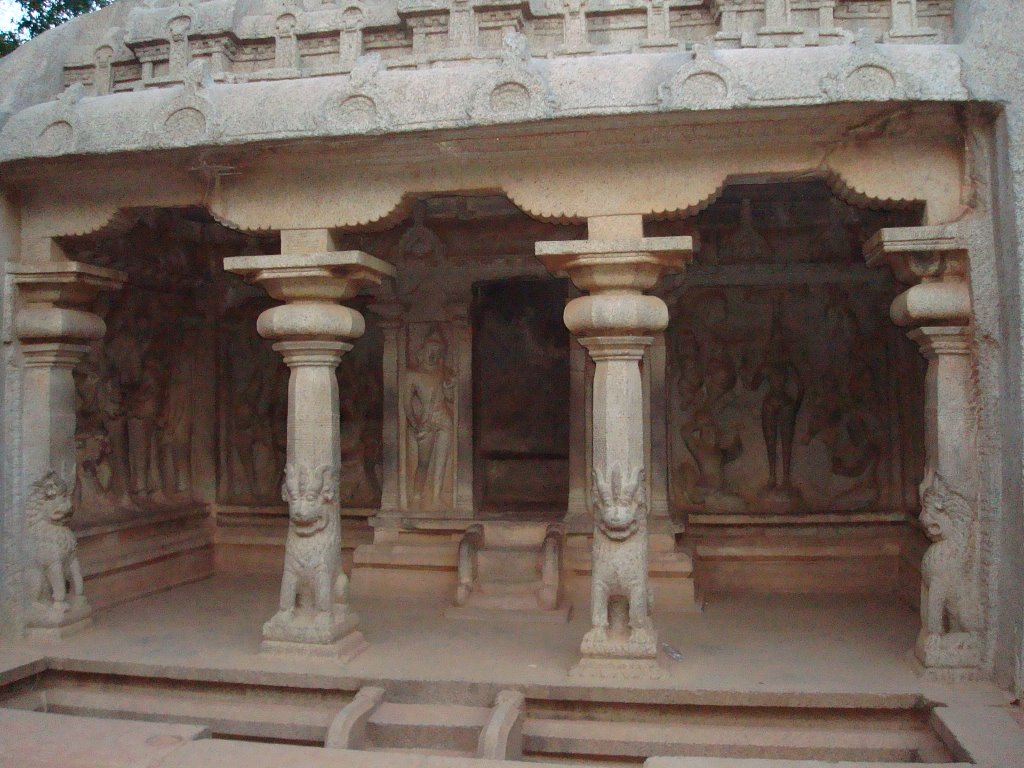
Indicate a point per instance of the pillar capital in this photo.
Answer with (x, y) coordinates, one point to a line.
(628, 348)
(63, 283)
(312, 353)
(312, 277)
(52, 297)
(933, 261)
(627, 265)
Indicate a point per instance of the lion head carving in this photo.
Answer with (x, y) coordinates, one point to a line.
(310, 497)
(619, 502)
(945, 514)
(49, 501)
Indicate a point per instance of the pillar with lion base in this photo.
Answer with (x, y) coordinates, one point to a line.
(938, 303)
(55, 329)
(615, 322)
(312, 331)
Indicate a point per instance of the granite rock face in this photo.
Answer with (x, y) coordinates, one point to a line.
(299, 126)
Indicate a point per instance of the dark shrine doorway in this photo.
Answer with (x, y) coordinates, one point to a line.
(520, 398)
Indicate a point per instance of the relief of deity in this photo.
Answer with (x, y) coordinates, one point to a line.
(430, 419)
(810, 389)
(134, 393)
(780, 406)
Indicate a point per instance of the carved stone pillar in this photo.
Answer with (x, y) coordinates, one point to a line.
(391, 324)
(615, 323)
(312, 330)
(577, 517)
(55, 332)
(462, 337)
(940, 306)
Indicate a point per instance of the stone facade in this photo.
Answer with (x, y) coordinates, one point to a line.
(709, 180)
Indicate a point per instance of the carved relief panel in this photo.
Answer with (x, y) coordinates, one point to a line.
(428, 416)
(138, 407)
(789, 389)
(145, 393)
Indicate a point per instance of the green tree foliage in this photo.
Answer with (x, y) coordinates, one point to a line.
(37, 16)
(8, 42)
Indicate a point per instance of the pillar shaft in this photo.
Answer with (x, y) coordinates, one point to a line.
(390, 324)
(949, 421)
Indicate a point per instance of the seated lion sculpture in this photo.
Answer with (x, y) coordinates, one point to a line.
(620, 547)
(54, 559)
(949, 588)
(312, 578)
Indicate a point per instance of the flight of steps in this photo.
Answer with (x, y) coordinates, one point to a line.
(369, 722)
(510, 572)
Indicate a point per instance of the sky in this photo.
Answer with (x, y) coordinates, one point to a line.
(8, 14)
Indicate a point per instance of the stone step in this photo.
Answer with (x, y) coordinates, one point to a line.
(422, 751)
(273, 720)
(426, 726)
(789, 741)
(508, 565)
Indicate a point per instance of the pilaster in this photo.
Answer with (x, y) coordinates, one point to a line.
(390, 315)
(55, 330)
(938, 306)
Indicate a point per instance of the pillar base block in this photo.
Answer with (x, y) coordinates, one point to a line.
(608, 667)
(49, 622)
(601, 642)
(314, 633)
(343, 650)
(949, 658)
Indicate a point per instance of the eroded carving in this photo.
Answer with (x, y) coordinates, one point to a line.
(950, 601)
(512, 90)
(704, 83)
(430, 418)
(54, 563)
(619, 579)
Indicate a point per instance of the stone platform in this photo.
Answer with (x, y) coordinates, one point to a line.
(191, 655)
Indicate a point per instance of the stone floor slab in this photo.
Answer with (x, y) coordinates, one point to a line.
(40, 740)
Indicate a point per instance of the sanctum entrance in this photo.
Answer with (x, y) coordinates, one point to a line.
(521, 396)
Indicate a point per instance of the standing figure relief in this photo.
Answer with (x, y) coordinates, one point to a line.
(780, 407)
(430, 417)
